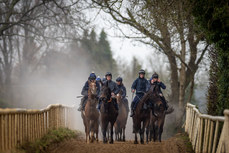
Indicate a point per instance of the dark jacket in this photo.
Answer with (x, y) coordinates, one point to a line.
(160, 84)
(123, 88)
(141, 85)
(113, 86)
(86, 87)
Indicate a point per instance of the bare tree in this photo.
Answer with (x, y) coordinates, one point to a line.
(167, 26)
(28, 29)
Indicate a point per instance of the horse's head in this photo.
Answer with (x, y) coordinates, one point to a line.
(155, 89)
(105, 92)
(92, 87)
(159, 105)
(119, 96)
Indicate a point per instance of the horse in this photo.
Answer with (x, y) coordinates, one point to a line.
(157, 122)
(120, 124)
(91, 115)
(141, 118)
(108, 113)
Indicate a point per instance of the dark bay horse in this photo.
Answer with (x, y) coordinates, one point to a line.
(120, 124)
(108, 113)
(91, 115)
(157, 122)
(141, 118)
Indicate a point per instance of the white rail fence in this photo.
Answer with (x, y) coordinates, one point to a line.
(18, 126)
(206, 132)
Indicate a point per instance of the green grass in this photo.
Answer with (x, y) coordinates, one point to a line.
(54, 136)
(184, 137)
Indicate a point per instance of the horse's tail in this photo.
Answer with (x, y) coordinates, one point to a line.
(170, 110)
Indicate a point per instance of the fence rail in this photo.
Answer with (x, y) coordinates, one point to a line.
(20, 125)
(206, 132)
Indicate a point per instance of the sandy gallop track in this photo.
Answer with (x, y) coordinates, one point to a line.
(172, 145)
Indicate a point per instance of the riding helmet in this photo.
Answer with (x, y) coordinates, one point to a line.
(119, 79)
(98, 79)
(108, 74)
(155, 75)
(92, 76)
(141, 71)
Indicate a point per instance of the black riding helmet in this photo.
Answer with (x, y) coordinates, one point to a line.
(119, 79)
(155, 75)
(141, 71)
(108, 74)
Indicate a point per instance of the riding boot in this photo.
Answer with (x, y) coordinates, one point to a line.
(116, 105)
(81, 105)
(153, 113)
(164, 102)
(99, 104)
(132, 113)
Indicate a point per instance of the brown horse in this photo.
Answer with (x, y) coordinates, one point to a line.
(91, 115)
(108, 112)
(141, 118)
(157, 122)
(120, 124)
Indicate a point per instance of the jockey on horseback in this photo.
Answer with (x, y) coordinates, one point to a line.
(112, 85)
(140, 85)
(123, 88)
(156, 81)
(84, 91)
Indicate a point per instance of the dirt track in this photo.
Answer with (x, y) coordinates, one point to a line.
(172, 145)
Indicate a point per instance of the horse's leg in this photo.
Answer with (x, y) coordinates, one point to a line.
(97, 130)
(150, 132)
(141, 133)
(88, 132)
(136, 138)
(104, 130)
(147, 134)
(160, 130)
(156, 132)
(121, 134)
(124, 134)
(111, 133)
(116, 133)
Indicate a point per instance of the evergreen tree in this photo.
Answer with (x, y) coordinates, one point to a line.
(99, 50)
(213, 18)
(212, 97)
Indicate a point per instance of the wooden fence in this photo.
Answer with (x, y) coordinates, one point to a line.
(208, 134)
(18, 126)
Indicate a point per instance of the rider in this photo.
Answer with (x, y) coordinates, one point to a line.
(84, 91)
(123, 88)
(98, 79)
(155, 80)
(140, 85)
(112, 85)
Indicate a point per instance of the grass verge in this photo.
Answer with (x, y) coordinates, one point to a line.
(185, 139)
(53, 137)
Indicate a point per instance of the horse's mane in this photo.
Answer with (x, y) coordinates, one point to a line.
(106, 90)
(152, 94)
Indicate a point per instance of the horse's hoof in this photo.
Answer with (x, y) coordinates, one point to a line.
(111, 142)
(135, 142)
(142, 142)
